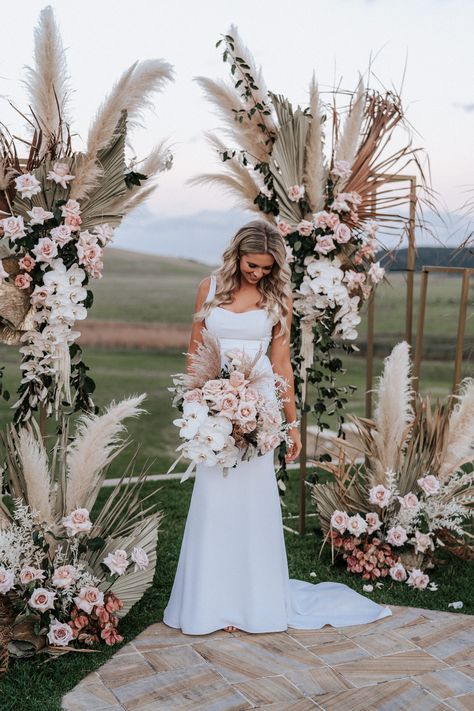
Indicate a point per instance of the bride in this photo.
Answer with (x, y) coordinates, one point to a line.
(232, 572)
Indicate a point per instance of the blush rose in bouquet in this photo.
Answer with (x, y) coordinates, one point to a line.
(229, 412)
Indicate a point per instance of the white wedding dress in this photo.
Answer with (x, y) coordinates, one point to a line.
(232, 567)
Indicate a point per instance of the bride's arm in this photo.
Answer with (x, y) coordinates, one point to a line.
(197, 326)
(281, 363)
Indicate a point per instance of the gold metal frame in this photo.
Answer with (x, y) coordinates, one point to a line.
(466, 277)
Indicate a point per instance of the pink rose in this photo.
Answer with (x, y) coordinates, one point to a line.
(409, 501)
(398, 572)
(296, 193)
(71, 208)
(88, 597)
(251, 395)
(194, 395)
(42, 599)
(73, 222)
(28, 574)
(354, 217)
(356, 525)
(237, 379)
(342, 233)
(268, 442)
(373, 522)
(7, 580)
(246, 411)
(305, 228)
(418, 579)
(61, 235)
(27, 263)
(332, 220)
(27, 185)
(324, 244)
(117, 562)
(376, 272)
(423, 542)
(140, 558)
(284, 228)
(341, 169)
(60, 634)
(229, 405)
(60, 174)
(78, 521)
(45, 250)
(64, 576)
(379, 495)
(13, 227)
(339, 521)
(320, 219)
(397, 536)
(23, 281)
(430, 484)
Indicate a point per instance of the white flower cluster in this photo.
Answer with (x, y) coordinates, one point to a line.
(323, 288)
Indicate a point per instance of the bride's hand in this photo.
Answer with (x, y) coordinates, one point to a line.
(295, 448)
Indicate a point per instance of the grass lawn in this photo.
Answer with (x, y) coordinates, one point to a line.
(37, 685)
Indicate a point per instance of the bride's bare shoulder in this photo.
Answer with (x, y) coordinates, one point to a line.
(202, 291)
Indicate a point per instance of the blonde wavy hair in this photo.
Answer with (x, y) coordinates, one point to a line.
(256, 237)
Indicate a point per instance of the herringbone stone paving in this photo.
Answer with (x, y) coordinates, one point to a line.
(417, 659)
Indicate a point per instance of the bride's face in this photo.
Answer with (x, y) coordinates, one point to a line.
(254, 266)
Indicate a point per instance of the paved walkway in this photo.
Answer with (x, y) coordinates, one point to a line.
(416, 660)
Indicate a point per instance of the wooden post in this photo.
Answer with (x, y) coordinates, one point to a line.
(461, 328)
(411, 263)
(420, 328)
(370, 356)
(303, 460)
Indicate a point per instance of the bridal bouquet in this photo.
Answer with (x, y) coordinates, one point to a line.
(60, 206)
(226, 415)
(414, 492)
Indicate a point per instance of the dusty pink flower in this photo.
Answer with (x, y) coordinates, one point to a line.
(284, 228)
(27, 263)
(60, 174)
(341, 169)
(45, 250)
(342, 233)
(59, 634)
(305, 228)
(229, 405)
(417, 579)
(71, 207)
(73, 222)
(246, 411)
(409, 501)
(140, 558)
(379, 495)
(373, 522)
(237, 379)
(398, 572)
(430, 484)
(38, 215)
(7, 580)
(23, 281)
(376, 272)
(354, 279)
(397, 536)
(423, 542)
(28, 574)
(42, 599)
(61, 235)
(110, 635)
(27, 185)
(78, 521)
(64, 576)
(88, 597)
(324, 244)
(339, 521)
(102, 615)
(194, 395)
(290, 257)
(13, 227)
(40, 294)
(296, 193)
(117, 562)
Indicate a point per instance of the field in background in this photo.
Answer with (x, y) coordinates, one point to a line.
(149, 301)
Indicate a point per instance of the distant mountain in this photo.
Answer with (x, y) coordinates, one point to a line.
(204, 235)
(428, 256)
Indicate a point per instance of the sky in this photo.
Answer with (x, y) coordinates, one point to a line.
(427, 41)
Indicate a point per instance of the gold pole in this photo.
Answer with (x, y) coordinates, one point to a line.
(420, 328)
(411, 262)
(370, 356)
(303, 469)
(461, 328)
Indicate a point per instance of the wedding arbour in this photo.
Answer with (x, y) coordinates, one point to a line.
(68, 568)
(327, 176)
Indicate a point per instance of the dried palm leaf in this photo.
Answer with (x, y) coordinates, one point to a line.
(47, 81)
(315, 171)
(97, 441)
(287, 159)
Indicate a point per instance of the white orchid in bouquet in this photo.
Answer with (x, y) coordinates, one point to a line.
(68, 574)
(415, 492)
(322, 175)
(60, 207)
(229, 412)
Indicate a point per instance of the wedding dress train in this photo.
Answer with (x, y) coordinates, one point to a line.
(232, 567)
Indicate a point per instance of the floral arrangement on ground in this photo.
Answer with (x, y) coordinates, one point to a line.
(413, 490)
(66, 575)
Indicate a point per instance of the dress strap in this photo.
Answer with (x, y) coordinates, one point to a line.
(212, 288)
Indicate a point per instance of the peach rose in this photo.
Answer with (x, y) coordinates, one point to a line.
(339, 521)
(88, 597)
(23, 281)
(28, 574)
(396, 536)
(45, 250)
(27, 263)
(77, 522)
(398, 572)
(42, 599)
(64, 576)
(59, 634)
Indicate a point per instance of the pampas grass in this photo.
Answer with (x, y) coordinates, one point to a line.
(459, 445)
(346, 147)
(97, 440)
(132, 93)
(393, 412)
(205, 362)
(35, 468)
(315, 172)
(47, 81)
